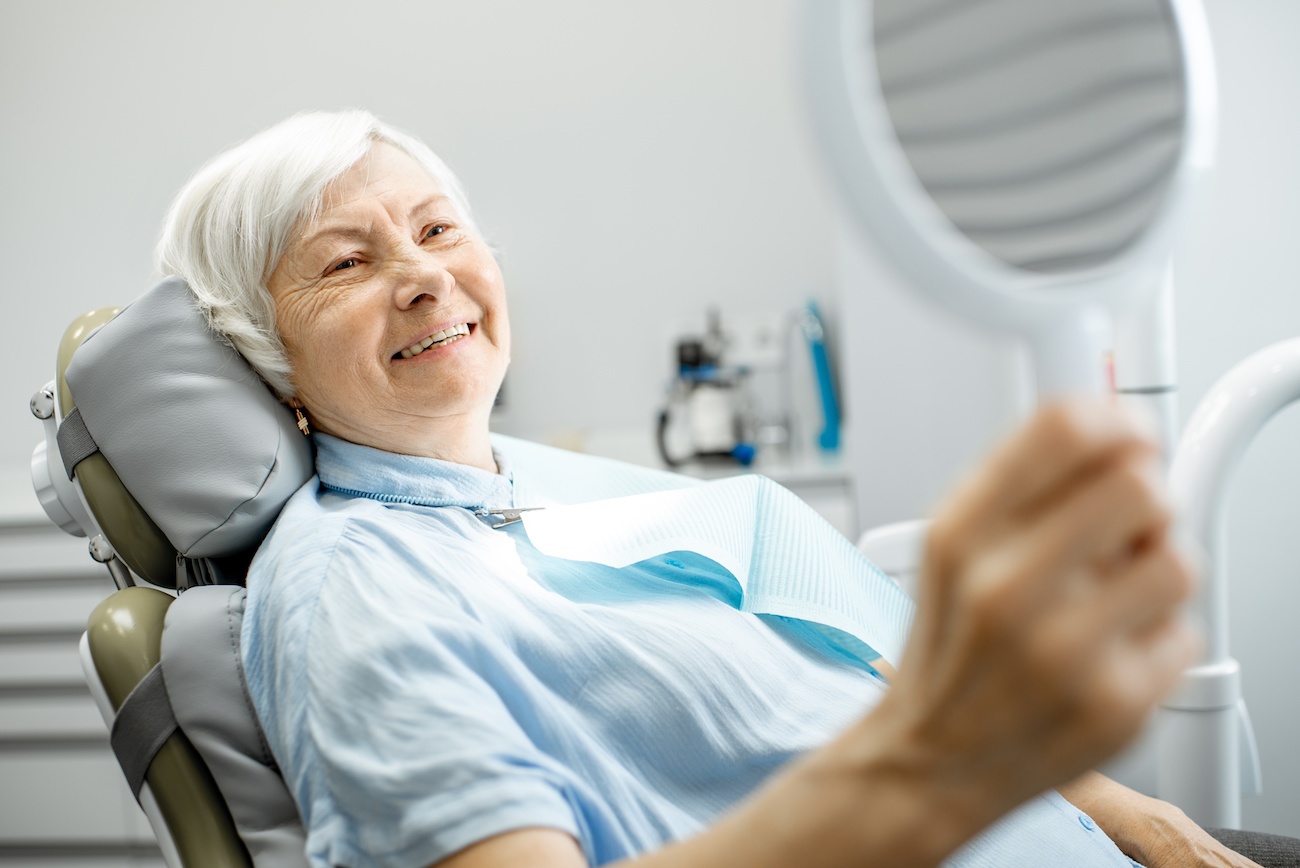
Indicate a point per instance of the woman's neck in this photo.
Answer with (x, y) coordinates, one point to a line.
(456, 439)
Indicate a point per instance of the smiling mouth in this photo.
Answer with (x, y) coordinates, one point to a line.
(449, 335)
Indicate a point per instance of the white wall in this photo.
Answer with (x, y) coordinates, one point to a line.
(928, 394)
(635, 162)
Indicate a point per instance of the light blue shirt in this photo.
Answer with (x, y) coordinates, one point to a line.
(427, 681)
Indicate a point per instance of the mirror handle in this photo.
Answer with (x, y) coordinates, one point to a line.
(1071, 355)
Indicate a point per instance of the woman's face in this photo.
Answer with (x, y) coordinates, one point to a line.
(389, 265)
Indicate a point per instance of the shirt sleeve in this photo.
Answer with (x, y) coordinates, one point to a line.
(416, 729)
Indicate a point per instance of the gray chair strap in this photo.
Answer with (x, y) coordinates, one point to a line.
(143, 724)
(75, 442)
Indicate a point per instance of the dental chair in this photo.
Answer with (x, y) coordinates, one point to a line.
(179, 503)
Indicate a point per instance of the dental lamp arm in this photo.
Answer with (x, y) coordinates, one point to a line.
(1220, 429)
(1204, 726)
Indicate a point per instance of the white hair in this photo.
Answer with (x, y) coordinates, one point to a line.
(229, 225)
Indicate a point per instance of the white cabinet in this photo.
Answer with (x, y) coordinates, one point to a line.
(63, 801)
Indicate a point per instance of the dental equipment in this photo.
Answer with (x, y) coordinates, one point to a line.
(708, 399)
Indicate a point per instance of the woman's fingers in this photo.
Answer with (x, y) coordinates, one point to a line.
(1104, 519)
(1143, 591)
(1078, 483)
(1119, 648)
(1055, 557)
(1129, 611)
(1156, 642)
(1061, 443)
(1138, 671)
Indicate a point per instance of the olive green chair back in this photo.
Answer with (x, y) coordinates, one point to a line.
(124, 636)
(133, 534)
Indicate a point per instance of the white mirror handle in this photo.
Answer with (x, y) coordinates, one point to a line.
(1070, 354)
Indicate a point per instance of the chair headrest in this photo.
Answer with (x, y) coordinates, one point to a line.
(194, 435)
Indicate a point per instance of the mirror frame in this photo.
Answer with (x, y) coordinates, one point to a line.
(887, 200)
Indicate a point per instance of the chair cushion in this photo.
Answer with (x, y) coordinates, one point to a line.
(204, 674)
(195, 436)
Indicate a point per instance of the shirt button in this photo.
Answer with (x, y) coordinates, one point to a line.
(1086, 822)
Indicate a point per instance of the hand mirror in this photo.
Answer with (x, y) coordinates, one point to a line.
(1025, 162)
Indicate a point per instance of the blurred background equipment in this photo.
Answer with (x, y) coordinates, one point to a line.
(762, 387)
(706, 418)
(813, 329)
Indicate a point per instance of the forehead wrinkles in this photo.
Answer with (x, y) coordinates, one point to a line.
(333, 195)
(400, 190)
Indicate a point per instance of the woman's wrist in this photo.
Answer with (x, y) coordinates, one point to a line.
(902, 800)
(872, 797)
(1138, 824)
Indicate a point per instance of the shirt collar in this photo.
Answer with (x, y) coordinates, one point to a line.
(363, 471)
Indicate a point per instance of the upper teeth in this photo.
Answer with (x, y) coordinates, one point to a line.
(445, 336)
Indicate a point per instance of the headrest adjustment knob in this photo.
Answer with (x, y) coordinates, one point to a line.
(101, 549)
(43, 403)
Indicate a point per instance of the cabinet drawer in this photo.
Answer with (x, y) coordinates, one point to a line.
(46, 553)
(66, 795)
(70, 715)
(61, 607)
(46, 662)
(101, 857)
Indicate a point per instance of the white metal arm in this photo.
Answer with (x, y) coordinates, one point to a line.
(1204, 724)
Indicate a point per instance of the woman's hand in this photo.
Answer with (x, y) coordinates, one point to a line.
(1150, 831)
(1047, 627)
(1164, 837)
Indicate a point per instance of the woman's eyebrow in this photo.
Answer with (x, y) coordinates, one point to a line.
(332, 233)
(346, 232)
(429, 201)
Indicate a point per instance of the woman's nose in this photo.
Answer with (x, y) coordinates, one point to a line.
(421, 277)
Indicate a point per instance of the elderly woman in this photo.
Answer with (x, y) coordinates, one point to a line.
(437, 689)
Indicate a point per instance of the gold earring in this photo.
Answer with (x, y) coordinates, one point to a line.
(302, 421)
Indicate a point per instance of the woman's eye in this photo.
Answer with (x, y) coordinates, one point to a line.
(435, 230)
(347, 263)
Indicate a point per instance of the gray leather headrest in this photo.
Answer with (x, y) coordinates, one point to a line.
(195, 436)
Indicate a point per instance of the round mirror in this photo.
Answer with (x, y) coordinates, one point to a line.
(1024, 161)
